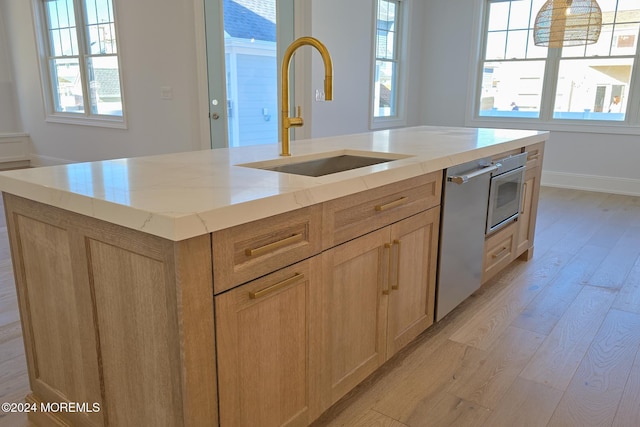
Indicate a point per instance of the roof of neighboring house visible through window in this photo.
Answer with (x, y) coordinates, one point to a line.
(250, 19)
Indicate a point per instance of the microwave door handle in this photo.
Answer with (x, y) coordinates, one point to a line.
(462, 179)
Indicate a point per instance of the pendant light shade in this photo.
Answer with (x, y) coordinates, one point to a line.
(568, 23)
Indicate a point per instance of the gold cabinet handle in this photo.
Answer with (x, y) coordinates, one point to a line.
(496, 255)
(400, 201)
(266, 291)
(273, 246)
(385, 277)
(534, 157)
(396, 285)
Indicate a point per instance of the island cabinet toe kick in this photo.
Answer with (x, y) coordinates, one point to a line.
(266, 323)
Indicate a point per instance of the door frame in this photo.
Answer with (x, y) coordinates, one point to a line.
(301, 17)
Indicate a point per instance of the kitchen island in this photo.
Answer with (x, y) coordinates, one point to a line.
(184, 289)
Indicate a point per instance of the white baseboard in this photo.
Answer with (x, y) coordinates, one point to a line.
(14, 148)
(38, 160)
(603, 184)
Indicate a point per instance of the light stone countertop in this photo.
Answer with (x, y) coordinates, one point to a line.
(183, 195)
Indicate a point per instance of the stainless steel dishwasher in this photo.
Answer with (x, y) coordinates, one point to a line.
(464, 219)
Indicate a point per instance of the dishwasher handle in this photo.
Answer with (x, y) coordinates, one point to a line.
(463, 179)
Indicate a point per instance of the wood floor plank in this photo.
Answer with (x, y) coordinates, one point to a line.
(526, 404)
(613, 271)
(560, 354)
(446, 410)
(422, 382)
(608, 232)
(11, 349)
(372, 418)
(10, 331)
(575, 225)
(596, 389)
(629, 296)
(542, 314)
(495, 317)
(14, 419)
(628, 413)
(485, 376)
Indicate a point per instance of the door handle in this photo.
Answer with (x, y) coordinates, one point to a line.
(463, 179)
(396, 272)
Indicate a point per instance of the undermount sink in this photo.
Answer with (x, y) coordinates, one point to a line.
(327, 165)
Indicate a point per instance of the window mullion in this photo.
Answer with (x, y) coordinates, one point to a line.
(633, 116)
(78, 6)
(550, 84)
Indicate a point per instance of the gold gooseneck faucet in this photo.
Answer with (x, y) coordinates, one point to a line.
(288, 122)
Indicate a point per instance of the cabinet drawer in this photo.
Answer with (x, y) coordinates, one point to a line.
(254, 249)
(535, 153)
(499, 250)
(352, 216)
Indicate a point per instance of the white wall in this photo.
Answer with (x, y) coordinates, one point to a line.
(346, 28)
(9, 120)
(160, 50)
(600, 162)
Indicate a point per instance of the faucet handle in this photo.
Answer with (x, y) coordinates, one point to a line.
(296, 121)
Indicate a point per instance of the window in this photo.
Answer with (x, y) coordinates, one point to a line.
(577, 84)
(387, 73)
(81, 72)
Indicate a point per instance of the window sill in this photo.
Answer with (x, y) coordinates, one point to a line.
(114, 123)
(586, 126)
(380, 123)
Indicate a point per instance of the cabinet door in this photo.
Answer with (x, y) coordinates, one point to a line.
(413, 278)
(266, 349)
(355, 283)
(528, 213)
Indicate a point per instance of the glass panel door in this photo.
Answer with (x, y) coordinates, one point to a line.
(243, 41)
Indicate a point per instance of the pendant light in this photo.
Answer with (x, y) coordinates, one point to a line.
(568, 23)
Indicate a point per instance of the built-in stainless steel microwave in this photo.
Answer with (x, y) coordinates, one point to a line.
(505, 192)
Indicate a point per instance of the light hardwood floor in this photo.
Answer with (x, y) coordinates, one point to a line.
(550, 342)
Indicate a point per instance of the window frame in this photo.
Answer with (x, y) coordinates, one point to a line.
(401, 41)
(86, 118)
(629, 126)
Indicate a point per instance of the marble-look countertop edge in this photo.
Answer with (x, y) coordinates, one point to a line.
(184, 225)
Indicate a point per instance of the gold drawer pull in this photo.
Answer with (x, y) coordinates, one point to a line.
(273, 246)
(279, 285)
(400, 201)
(496, 255)
(534, 157)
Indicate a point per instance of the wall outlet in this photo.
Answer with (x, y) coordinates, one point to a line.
(319, 95)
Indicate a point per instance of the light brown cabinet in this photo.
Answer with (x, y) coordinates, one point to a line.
(516, 239)
(499, 251)
(292, 342)
(267, 355)
(528, 214)
(113, 317)
(256, 248)
(378, 294)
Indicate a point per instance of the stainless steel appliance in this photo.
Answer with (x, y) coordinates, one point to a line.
(462, 232)
(505, 191)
